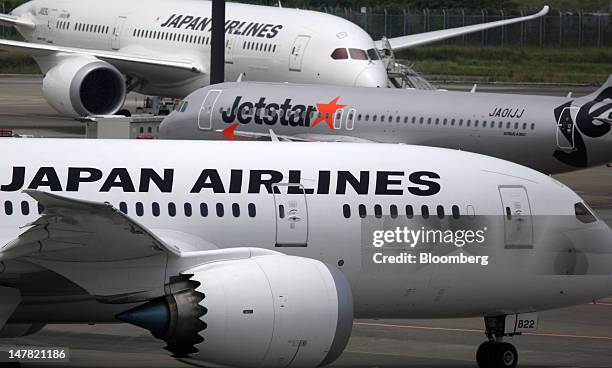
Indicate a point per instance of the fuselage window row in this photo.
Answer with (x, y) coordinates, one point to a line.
(393, 212)
(172, 210)
(288, 114)
(92, 28)
(170, 36)
(156, 209)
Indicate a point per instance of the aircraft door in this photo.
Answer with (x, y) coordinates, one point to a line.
(291, 215)
(566, 129)
(207, 109)
(518, 221)
(297, 53)
(116, 35)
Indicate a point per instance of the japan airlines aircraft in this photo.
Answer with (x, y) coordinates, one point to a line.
(93, 52)
(277, 246)
(550, 134)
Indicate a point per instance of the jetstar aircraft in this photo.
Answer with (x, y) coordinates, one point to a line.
(277, 246)
(93, 52)
(549, 134)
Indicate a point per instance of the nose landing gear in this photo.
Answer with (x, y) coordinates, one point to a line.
(495, 353)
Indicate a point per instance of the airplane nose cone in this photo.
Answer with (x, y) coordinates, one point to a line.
(372, 77)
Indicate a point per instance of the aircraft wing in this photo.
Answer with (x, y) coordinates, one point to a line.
(294, 138)
(404, 42)
(108, 253)
(9, 20)
(72, 229)
(118, 59)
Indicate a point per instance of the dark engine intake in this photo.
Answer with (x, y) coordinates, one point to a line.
(83, 86)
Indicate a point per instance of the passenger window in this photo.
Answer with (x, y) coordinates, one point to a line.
(339, 54)
(437, 121)
(453, 122)
(476, 123)
(172, 209)
(378, 211)
(425, 211)
(236, 210)
(532, 126)
(203, 210)
(456, 213)
(362, 211)
(139, 209)
(373, 54)
(252, 210)
(123, 207)
(374, 118)
(440, 211)
(393, 210)
(346, 211)
(524, 126)
(429, 121)
(25, 208)
(188, 210)
(358, 54)
(8, 208)
(444, 121)
(220, 210)
(461, 122)
(409, 211)
(583, 214)
(155, 209)
(501, 125)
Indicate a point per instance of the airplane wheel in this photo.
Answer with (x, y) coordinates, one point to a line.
(504, 356)
(484, 354)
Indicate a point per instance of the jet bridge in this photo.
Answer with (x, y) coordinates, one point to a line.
(400, 75)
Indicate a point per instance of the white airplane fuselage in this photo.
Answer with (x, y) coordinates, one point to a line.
(324, 201)
(265, 43)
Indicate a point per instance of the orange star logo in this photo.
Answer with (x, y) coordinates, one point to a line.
(327, 112)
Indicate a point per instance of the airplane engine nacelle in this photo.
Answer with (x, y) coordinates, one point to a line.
(84, 86)
(269, 311)
(12, 330)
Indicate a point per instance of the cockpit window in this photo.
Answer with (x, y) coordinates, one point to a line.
(339, 54)
(184, 106)
(373, 54)
(583, 214)
(358, 54)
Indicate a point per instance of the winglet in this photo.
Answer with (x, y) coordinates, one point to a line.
(229, 132)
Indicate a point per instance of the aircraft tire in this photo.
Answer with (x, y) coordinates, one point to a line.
(504, 355)
(484, 354)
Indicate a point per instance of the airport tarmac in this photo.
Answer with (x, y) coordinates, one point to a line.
(579, 336)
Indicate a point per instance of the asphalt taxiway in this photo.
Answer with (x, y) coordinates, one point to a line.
(579, 336)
